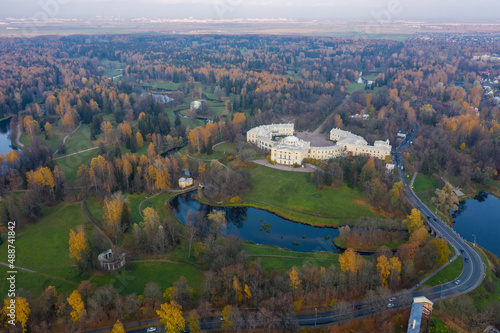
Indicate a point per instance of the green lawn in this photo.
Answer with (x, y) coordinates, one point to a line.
(294, 191)
(44, 244)
(424, 183)
(95, 208)
(437, 326)
(264, 254)
(162, 85)
(134, 278)
(449, 273)
(226, 147)
(69, 165)
(64, 279)
(159, 203)
(113, 72)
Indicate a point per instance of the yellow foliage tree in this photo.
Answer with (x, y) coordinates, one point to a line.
(78, 246)
(139, 139)
(248, 292)
(76, 302)
(414, 221)
(49, 134)
(118, 327)
(239, 118)
(22, 309)
(383, 268)
(151, 151)
(350, 261)
(419, 236)
(126, 130)
(227, 314)
(171, 317)
(237, 289)
(294, 278)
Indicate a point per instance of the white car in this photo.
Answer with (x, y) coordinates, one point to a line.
(392, 299)
(151, 329)
(390, 305)
(457, 282)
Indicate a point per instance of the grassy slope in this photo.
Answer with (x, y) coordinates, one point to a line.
(450, 273)
(269, 263)
(135, 277)
(45, 243)
(295, 191)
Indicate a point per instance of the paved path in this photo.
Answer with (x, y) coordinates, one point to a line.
(64, 140)
(18, 135)
(307, 169)
(413, 179)
(78, 152)
(87, 216)
(213, 147)
(457, 191)
(21, 268)
(206, 160)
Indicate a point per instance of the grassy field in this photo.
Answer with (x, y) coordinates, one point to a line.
(134, 278)
(424, 183)
(162, 85)
(449, 273)
(281, 259)
(64, 279)
(70, 164)
(295, 191)
(44, 244)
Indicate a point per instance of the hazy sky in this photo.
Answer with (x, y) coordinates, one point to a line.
(430, 10)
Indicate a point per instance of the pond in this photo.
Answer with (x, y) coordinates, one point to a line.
(5, 142)
(262, 227)
(480, 216)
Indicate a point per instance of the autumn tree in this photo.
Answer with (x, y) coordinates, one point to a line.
(228, 323)
(22, 310)
(414, 221)
(42, 180)
(48, 131)
(419, 236)
(219, 222)
(237, 289)
(295, 281)
(171, 317)
(139, 139)
(75, 300)
(78, 247)
(350, 261)
(113, 210)
(445, 199)
(118, 327)
(31, 127)
(383, 268)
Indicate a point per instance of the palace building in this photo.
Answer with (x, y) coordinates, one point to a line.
(287, 149)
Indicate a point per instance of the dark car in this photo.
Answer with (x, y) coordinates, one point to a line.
(466, 259)
(461, 250)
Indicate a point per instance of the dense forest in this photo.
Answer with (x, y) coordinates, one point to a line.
(128, 98)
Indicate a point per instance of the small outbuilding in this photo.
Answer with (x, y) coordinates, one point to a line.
(185, 182)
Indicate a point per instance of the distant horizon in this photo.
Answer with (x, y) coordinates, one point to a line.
(387, 11)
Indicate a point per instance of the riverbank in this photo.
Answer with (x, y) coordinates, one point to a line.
(294, 216)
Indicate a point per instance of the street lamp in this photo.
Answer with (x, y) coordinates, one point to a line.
(315, 316)
(474, 240)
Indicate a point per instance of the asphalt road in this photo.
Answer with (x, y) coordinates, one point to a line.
(474, 269)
